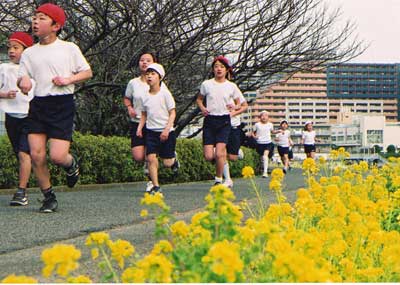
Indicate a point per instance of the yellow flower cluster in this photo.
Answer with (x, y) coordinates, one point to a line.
(19, 279)
(79, 279)
(62, 258)
(247, 172)
(156, 199)
(225, 260)
(342, 227)
(120, 250)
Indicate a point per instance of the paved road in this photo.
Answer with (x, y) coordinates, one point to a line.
(113, 208)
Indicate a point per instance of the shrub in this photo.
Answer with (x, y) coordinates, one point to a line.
(109, 160)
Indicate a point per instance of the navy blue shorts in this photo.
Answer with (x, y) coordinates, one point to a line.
(154, 145)
(261, 147)
(53, 116)
(17, 132)
(216, 129)
(282, 150)
(234, 141)
(308, 148)
(135, 140)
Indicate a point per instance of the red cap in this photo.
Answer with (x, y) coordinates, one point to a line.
(23, 38)
(224, 60)
(53, 11)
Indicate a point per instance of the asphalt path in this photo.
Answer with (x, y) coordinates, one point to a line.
(114, 208)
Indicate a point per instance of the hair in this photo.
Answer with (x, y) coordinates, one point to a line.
(284, 122)
(151, 53)
(229, 74)
(59, 30)
(305, 127)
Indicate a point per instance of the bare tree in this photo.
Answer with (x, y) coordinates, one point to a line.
(262, 37)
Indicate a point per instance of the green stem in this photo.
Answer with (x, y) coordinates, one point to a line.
(260, 201)
(109, 265)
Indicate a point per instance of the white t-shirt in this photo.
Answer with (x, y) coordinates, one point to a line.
(44, 62)
(219, 95)
(157, 108)
(263, 132)
(308, 137)
(235, 121)
(283, 138)
(19, 106)
(135, 91)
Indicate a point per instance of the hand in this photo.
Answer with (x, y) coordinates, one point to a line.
(11, 94)
(231, 107)
(139, 133)
(164, 135)
(25, 85)
(61, 81)
(205, 112)
(132, 113)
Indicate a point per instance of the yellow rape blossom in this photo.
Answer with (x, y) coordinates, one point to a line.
(19, 279)
(62, 258)
(247, 172)
(120, 250)
(79, 279)
(144, 213)
(156, 199)
(97, 238)
(225, 259)
(277, 174)
(180, 228)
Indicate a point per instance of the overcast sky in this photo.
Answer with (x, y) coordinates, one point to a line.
(378, 24)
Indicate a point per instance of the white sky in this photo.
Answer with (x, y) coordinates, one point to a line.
(378, 23)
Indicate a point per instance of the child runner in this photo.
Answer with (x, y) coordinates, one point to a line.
(56, 66)
(136, 90)
(262, 133)
(284, 142)
(158, 113)
(235, 136)
(308, 139)
(219, 93)
(16, 106)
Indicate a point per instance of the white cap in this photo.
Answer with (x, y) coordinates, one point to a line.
(157, 68)
(264, 112)
(308, 122)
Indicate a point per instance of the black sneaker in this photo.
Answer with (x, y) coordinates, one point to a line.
(50, 204)
(19, 198)
(73, 172)
(156, 189)
(175, 167)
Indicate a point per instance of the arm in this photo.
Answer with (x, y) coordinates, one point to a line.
(143, 119)
(129, 106)
(240, 108)
(8, 94)
(171, 119)
(75, 78)
(24, 83)
(200, 104)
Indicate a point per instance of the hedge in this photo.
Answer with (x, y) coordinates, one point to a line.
(108, 160)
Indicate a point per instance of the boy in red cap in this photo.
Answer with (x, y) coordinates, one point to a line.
(56, 66)
(16, 106)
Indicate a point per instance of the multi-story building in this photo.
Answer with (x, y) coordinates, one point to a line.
(359, 81)
(305, 97)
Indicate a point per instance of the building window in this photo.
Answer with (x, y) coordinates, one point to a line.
(374, 136)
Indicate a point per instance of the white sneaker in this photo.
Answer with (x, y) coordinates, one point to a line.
(228, 183)
(149, 186)
(265, 175)
(240, 154)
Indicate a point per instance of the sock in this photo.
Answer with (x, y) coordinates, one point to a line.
(265, 163)
(48, 192)
(218, 179)
(73, 164)
(226, 172)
